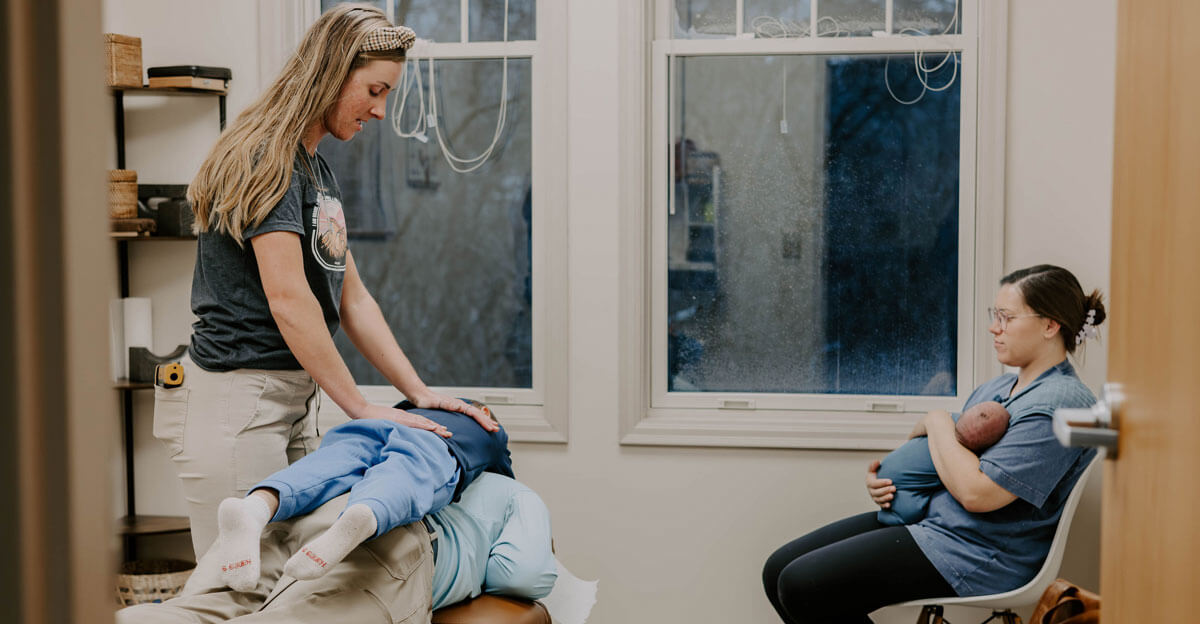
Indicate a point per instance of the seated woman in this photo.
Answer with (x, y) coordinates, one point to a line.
(495, 540)
(990, 530)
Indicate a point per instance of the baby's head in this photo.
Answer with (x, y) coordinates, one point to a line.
(981, 426)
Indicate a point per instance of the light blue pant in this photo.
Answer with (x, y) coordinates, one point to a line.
(401, 473)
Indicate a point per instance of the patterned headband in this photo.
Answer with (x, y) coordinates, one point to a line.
(389, 38)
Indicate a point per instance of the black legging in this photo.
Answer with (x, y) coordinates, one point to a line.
(845, 570)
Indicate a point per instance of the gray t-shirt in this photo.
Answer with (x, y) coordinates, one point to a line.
(235, 328)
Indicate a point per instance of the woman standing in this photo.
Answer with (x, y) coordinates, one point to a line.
(990, 530)
(274, 276)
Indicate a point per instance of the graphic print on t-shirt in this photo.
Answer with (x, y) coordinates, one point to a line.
(328, 233)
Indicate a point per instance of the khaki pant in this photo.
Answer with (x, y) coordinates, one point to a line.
(386, 580)
(225, 432)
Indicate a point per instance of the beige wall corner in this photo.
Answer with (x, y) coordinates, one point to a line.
(57, 280)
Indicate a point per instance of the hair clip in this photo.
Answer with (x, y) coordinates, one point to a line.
(1089, 329)
(389, 38)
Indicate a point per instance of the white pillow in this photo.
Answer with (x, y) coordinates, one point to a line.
(571, 600)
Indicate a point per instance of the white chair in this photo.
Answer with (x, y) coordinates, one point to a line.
(1028, 594)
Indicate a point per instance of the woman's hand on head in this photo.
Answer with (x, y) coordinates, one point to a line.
(401, 417)
(433, 400)
(881, 490)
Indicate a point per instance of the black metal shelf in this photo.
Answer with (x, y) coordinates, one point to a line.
(132, 524)
(154, 525)
(122, 237)
(125, 384)
(148, 90)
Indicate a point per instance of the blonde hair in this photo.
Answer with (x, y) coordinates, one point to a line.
(249, 169)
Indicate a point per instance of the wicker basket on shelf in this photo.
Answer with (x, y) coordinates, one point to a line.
(123, 60)
(151, 580)
(122, 193)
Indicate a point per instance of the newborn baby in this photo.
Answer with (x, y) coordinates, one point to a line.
(910, 467)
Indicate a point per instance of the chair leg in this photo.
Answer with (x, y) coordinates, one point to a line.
(1004, 617)
(931, 614)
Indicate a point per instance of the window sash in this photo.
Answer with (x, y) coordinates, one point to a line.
(538, 413)
(480, 50)
(664, 7)
(822, 411)
(464, 21)
(535, 395)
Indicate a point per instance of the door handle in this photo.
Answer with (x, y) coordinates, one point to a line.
(1092, 426)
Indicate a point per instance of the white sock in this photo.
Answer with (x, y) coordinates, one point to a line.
(240, 522)
(317, 557)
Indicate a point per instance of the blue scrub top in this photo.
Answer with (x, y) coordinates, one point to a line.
(997, 551)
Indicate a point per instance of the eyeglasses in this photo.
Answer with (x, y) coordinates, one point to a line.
(1003, 318)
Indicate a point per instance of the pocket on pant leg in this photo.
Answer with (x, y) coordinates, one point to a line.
(408, 558)
(305, 435)
(170, 417)
(260, 446)
(402, 550)
(334, 605)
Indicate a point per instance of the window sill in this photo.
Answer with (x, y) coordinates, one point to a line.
(782, 429)
(524, 422)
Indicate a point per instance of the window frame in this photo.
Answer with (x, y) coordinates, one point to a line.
(538, 413)
(652, 415)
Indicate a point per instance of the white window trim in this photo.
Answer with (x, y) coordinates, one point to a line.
(281, 24)
(538, 414)
(648, 414)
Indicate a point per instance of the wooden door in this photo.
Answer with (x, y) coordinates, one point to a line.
(1150, 531)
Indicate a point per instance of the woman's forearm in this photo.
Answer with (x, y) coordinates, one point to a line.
(302, 325)
(300, 320)
(958, 468)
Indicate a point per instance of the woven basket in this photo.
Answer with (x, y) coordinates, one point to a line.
(123, 60)
(151, 580)
(122, 193)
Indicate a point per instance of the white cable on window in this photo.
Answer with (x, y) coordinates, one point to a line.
(770, 27)
(835, 30)
(922, 71)
(457, 163)
(406, 83)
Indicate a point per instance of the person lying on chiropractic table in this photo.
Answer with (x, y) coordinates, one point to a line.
(495, 540)
(496, 536)
(395, 475)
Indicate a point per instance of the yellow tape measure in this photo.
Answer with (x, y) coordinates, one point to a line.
(168, 375)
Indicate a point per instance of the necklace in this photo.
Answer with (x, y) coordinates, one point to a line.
(315, 168)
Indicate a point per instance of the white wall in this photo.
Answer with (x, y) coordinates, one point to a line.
(679, 534)
(166, 140)
(1061, 95)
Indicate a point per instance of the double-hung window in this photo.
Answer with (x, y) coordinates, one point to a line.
(815, 249)
(454, 208)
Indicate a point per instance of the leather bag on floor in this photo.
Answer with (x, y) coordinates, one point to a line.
(1066, 603)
